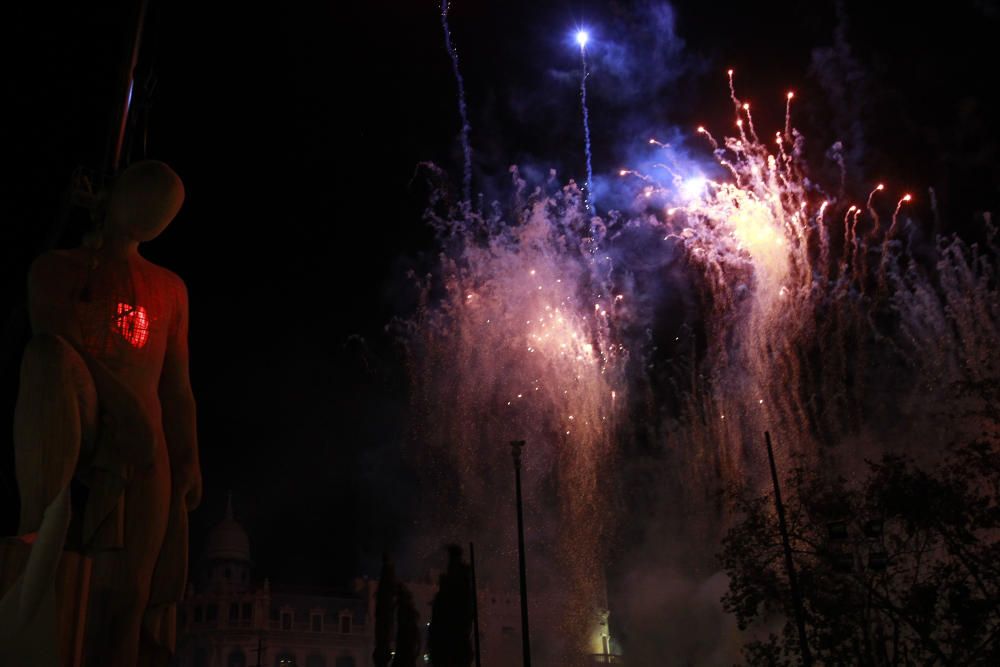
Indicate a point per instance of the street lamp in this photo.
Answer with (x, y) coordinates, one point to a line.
(515, 451)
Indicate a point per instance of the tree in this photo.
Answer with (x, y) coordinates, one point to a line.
(407, 629)
(449, 641)
(901, 568)
(385, 604)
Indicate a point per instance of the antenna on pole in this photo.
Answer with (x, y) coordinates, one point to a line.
(786, 544)
(126, 91)
(475, 602)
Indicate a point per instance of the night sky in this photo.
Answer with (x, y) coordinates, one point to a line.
(297, 129)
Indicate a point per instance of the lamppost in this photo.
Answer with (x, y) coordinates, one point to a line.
(475, 603)
(515, 450)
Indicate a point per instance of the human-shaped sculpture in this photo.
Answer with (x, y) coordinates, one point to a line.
(105, 405)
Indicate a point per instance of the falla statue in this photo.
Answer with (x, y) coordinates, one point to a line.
(105, 444)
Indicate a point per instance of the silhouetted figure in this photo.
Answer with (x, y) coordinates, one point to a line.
(407, 629)
(450, 642)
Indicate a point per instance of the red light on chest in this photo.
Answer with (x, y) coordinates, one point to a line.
(132, 324)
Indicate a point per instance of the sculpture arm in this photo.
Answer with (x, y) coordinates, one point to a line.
(179, 412)
(50, 299)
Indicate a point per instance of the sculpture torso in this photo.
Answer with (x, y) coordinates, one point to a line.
(105, 399)
(123, 312)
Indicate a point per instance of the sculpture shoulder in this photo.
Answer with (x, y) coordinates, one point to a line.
(163, 275)
(57, 275)
(171, 284)
(172, 281)
(56, 269)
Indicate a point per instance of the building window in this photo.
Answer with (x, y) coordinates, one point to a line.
(229, 574)
(212, 613)
(345, 624)
(346, 661)
(315, 660)
(286, 620)
(316, 622)
(197, 614)
(247, 611)
(234, 612)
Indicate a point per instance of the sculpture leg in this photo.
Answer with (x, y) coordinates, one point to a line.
(122, 580)
(55, 415)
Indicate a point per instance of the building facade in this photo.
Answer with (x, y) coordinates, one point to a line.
(228, 620)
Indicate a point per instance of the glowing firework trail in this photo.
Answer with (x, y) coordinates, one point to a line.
(886, 255)
(462, 111)
(753, 131)
(793, 329)
(582, 37)
(868, 204)
(895, 214)
(521, 347)
(751, 238)
(761, 243)
(788, 114)
(708, 135)
(787, 333)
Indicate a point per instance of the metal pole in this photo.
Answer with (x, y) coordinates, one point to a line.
(515, 450)
(260, 650)
(126, 90)
(475, 602)
(786, 544)
(16, 323)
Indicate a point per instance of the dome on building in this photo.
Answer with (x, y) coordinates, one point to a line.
(228, 540)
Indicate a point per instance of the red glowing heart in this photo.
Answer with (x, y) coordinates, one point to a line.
(132, 324)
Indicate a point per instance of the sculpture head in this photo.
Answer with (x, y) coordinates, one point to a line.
(144, 200)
